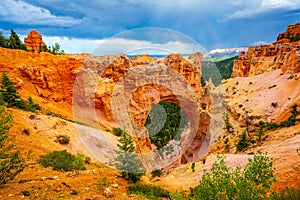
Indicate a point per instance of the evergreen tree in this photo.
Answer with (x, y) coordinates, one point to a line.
(129, 165)
(14, 41)
(32, 106)
(243, 142)
(3, 42)
(10, 162)
(9, 93)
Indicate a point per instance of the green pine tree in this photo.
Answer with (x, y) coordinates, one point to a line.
(32, 106)
(15, 42)
(129, 165)
(243, 142)
(10, 161)
(9, 93)
(3, 42)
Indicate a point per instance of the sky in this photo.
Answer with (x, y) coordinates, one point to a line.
(82, 26)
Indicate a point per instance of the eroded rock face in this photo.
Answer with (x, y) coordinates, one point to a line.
(120, 90)
(265, 58)
(127, 88)
(291, 31)
(34, 42)
(282, 54)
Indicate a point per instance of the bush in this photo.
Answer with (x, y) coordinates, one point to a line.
(32, 106)
(9, 93)
(26, 131)
(11, 163)
(156, 172)
(193, 166)
(102, 183)
(117, 131)
(253, 182)
(243, 142)
(227, 125)
(63, 160)
(287, 194)
(63, 139)
(148, 191)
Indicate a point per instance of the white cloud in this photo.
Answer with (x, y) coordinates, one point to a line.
(120, 45)
(25, 13)
(264, 6)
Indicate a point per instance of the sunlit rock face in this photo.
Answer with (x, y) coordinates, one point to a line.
(116, 91)
(283, 54)
(34, 42)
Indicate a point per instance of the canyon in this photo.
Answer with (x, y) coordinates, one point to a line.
(100, 93)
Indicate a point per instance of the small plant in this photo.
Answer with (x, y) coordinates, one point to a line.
(274, 104)
(62, 160)
(11, 164)
(260, 131)
(240, 105)
(25, 193)
(272, 86)
(102, 183)
(243, 142)
(148, 191)
(26, 131)
(250, 83)
(117, 131)
(63, 139)
(287, 194)
(156, 173)
(292, 76)
(193, 166)
(227, 125)
(9, 93)
(32, 106)
(87, 160)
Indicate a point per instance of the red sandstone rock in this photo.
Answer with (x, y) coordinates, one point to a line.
(282, 55)
(34, 42)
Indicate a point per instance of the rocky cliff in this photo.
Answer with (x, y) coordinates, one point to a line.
(282, 54)
(123, 90)
(34, 42)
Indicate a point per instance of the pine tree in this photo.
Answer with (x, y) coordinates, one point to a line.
(3, 42)
(243, 142)
(32, 106)
(129, 165)
(14, 41)
(9, 93)
(10, 162)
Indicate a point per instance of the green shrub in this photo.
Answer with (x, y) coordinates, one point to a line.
(223, 182)
(117, 131)
(243, 142)
(9, 93)
(193, 166)
(63, 160)
(287, 194)
(31, 106)
(156, 172)
(26, 131)
(148, 191)
(102, 183)
(63, 139)
(227, 125)
(11, 163)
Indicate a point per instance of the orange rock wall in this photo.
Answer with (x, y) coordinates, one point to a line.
(34, 41)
